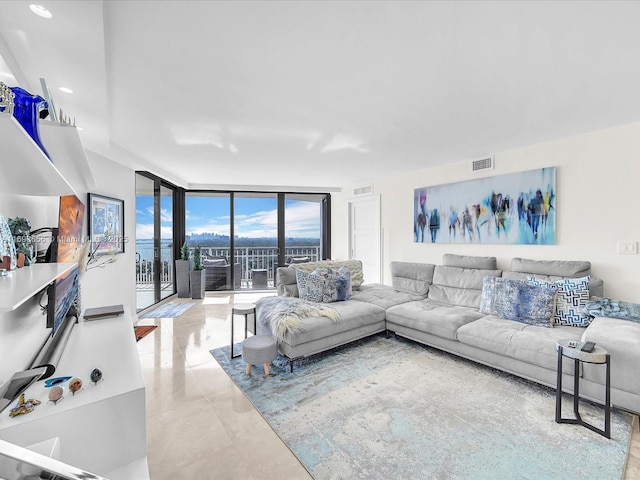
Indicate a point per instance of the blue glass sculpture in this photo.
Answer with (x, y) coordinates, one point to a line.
(27, 112)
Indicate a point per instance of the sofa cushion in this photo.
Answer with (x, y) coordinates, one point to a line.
(433, 317)
(286, 282)
(412, 278)
(621, 339)
(558, 268)
(214, 262)
(467, 261)
(383, 295)
(572, 295)
(518, 301)
(459, 286)
(354, 266)
(353, 315)
(529, 343)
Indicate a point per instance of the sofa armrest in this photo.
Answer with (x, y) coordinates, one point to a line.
(621, 338)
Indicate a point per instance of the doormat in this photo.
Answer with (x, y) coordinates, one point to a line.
(168, 310)
(142, 331)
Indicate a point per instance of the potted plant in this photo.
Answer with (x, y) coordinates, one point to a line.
(197, 275)
(183, 268)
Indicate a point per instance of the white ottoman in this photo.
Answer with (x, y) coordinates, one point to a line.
(259, 350)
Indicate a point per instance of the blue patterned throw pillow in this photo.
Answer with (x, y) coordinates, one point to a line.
(498, 295)
(573, 294)
(311, 286)
(518, 301)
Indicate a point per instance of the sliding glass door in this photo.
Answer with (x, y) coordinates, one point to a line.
(154, 240)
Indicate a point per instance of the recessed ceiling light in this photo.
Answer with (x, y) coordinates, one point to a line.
(40, 11)
(65, 89)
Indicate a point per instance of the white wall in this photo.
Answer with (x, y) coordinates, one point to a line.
(115, 283)
(598, 195)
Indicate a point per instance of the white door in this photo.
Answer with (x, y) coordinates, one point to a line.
(364, 235)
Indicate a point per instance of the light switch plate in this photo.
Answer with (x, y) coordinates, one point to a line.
(628, 247)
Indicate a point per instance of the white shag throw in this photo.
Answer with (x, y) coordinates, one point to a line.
(283, 314)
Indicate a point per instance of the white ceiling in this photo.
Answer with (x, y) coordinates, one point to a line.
(323, 95)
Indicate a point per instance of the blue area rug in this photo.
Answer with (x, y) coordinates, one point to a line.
(168, 310)
(384, 408)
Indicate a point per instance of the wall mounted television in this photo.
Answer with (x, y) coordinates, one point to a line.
(61, 293)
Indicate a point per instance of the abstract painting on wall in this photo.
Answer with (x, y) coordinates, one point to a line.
(517, 208)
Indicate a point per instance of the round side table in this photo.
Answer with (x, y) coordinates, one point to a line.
(597, 355)
(244, 309)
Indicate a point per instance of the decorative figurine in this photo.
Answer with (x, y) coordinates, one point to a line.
(27, 109)
(96, 375)
(50, 382)
(55, 394)
(23, 406)
(74, 385)
(21, 230)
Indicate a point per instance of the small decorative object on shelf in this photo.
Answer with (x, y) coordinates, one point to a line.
(24, 406)
(96, 375)
(6, 99)
(27, 110)
(50, 382)
(75, 385)
(55, 395)
(7, 245)
(21, 230)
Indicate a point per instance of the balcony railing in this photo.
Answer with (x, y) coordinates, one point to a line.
(249, 258)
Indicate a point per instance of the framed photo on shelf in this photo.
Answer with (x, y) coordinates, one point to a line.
(106, 224)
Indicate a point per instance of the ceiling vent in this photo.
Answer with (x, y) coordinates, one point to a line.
(484, 164)
(365, 190)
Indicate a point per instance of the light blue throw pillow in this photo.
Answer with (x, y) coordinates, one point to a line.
(573, 294)
(518, 301)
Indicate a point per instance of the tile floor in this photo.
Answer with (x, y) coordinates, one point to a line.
(199, 425)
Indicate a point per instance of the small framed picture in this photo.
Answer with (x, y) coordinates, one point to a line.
(106, 224)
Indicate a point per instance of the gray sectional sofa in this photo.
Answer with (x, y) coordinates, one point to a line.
(438, 305)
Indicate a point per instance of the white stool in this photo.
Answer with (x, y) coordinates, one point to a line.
(245, 309)
(259, 349)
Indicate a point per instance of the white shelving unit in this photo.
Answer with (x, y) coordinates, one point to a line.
(102, 428)
(24, 283)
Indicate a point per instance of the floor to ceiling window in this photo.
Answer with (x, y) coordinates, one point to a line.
(208, 225)
(154, 240)
(255, 221)
(303, 227)
(243, 236)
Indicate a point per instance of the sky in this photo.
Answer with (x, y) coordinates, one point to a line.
(254, 217)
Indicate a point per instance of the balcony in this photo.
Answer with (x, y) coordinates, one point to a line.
(249, 258)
